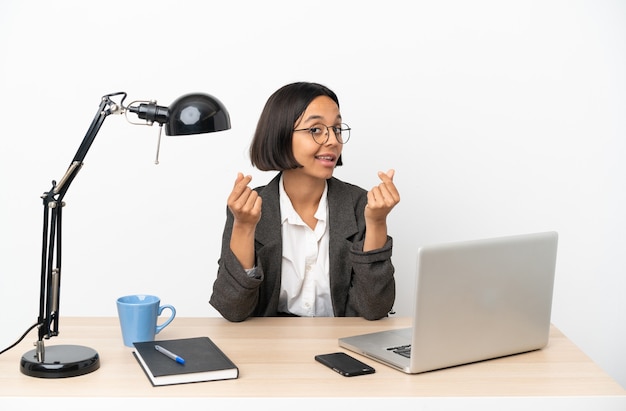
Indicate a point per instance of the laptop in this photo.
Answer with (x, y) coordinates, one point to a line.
(474, 300)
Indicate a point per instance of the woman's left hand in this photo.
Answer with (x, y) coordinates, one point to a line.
(382, 198)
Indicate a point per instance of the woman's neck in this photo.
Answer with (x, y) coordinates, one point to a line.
(305, 193)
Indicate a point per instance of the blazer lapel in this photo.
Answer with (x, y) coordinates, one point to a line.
(341, 219)
(268, 230)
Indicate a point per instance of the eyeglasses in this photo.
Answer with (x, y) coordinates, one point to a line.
(321, 133)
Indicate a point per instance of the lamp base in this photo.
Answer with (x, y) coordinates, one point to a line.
(60, 361)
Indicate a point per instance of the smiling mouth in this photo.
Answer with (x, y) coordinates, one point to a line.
(325, 158)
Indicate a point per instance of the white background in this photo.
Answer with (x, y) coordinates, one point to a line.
(499, 117)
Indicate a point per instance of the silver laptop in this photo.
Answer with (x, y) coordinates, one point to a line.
(474, 300)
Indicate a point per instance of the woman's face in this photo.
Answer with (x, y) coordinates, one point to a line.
(317, 160)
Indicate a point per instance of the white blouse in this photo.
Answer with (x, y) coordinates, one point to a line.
(305, 284)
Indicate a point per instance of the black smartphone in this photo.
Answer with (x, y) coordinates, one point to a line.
(344, 364)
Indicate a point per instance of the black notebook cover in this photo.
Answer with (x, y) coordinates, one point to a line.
(204, 361)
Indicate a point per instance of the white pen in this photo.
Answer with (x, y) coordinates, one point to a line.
(169, 354)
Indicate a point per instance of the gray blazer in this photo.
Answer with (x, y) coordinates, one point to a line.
(361, 283)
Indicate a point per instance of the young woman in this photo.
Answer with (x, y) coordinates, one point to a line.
(306, 244)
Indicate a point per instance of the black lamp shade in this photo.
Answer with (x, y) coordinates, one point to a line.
(196, 113)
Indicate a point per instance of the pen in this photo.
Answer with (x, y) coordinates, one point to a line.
(169, 354)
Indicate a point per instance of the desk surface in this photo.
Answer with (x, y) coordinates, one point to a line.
(275, 359)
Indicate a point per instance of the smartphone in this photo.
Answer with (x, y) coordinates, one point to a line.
(344, 364)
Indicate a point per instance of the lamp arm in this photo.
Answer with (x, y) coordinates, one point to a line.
(107, 107)
(50, 282)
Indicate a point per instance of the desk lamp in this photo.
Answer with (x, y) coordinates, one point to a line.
(189, 114)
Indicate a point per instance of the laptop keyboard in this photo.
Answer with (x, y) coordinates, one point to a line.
(403, 350)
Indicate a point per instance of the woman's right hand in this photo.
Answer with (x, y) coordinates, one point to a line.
(244, 203)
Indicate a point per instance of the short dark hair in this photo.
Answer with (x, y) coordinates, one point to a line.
(271, 147)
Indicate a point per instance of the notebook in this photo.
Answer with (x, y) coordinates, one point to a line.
(200, 360)
(474, 300)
